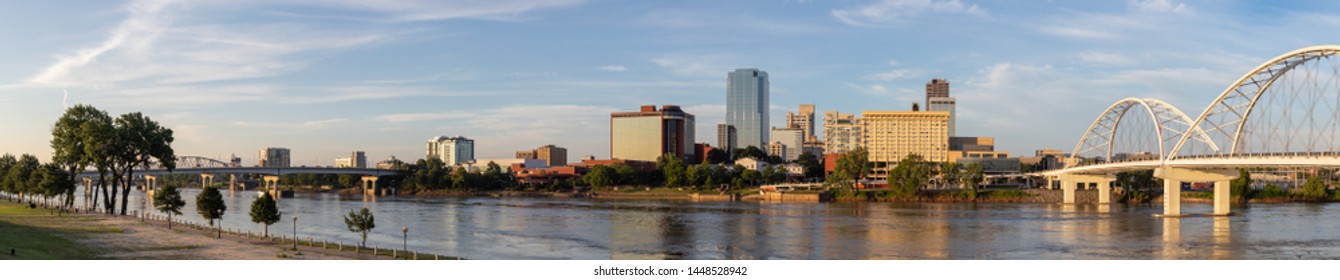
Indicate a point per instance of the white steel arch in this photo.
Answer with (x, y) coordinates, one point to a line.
(1240, 98)
(1170, 124)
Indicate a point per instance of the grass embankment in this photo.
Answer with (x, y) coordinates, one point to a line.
(34, 234)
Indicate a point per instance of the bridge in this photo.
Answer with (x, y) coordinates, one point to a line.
(1284, 113)
(208, 168)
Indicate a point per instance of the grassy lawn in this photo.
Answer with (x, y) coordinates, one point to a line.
(35, 235)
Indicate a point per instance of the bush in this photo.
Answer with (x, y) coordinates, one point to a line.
(1315, 188)
(1271, 191)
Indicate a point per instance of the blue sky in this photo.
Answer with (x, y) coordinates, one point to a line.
(327, 77)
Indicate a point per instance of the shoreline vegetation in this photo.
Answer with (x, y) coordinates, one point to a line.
(40, 233)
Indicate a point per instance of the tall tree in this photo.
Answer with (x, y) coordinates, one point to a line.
(7, 161)
(100, 144)
(68, 141)
(672, 167)
(143, 142)
(950, 173)
(55, 182)
(909, 175)
(600, 176)
(361, 222)
(1240, 188)
(851, 167)
(717, 156)
(751, 152)
(168, 200)
(972, 177)
(265, 211)
(20, 177)
(209, 204)
(813, 167)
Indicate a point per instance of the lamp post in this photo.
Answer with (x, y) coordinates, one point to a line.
(295, 232)
(220, 211)
(405, 244)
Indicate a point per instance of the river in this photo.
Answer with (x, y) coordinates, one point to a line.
(564, 228)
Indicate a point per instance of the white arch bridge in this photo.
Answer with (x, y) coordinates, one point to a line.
(208, 168)
(1284, 113)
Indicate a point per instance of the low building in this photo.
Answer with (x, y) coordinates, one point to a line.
(794, 170)
(550, 154)
(548, 175)
(751, 164)
(390, 163)
(830, 163)
(994, 165)
(590, 163)
(701, 150)
(777, 149)
(507, 164)
(974, 147)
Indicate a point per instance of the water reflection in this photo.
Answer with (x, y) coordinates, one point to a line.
(535, 228)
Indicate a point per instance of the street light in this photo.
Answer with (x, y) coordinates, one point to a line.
(220, 211)
(405, 230)
(295, 232)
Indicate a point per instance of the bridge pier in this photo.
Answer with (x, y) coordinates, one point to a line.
(1173, 177)
(272, 186)
(232, 182)
(1071, 182)
(370, 185)
(206, 180)
(150, 184)
(88, 186)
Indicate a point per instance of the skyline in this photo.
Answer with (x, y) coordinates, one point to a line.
(407, 71)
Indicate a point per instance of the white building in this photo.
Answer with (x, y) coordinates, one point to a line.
(451, 150)
(842, 132)
(355, 160)
(751, 163)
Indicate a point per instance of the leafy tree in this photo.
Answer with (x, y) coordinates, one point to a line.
(20, 176)
(911, 173)
(717, 156)
(1315, 188)
(265, 211)
(55, 181)
(68, 142)
(600, 177)
(751, 152)
(972, 177)
(750, 176)
(6, 161)
(209, 204)
(361, 222)
(672, 168)
(851, 167)
(950, 173)
(168, 200)
(493, 176)
(1240, 189)
(814, 168)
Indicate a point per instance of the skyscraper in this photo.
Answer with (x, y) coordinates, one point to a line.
(726, 137)
(650, 133)
(747, 106)
(891, 135)
(842, 132)
(274, 157)
(938, 100)
(804, 121)
(451, 150)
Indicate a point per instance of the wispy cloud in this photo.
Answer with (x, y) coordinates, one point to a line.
(314, 124)
(897, 13)
(1159, 6)
(1105, 58)
(894, 74)
(614, 68)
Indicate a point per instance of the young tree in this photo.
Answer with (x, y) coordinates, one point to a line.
(265, 211)
(209, 204)
(6, 161)
(1240, 188)
(601, 176)
(54, 182)
(361, 222)
(972, 176)
(672, 168)
(19, 180)
(1315, 188)
(168, 200)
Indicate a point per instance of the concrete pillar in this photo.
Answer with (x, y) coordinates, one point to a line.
(88, 186)
(1104, 192)
(1068, 191)
(370, 185)
(1172, 198)
(272, 186)
(232, 182)
(206, 180)
(1221, 198)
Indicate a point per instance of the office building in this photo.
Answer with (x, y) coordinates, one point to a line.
(777, 149)
(842, 132)
(938, 100)
(803, 120)
(747, 106)
(355, 159)
(726, 137)
(451, 150)
(974, 148)
(274, 157)
(889, 136)
(550, 154)
(390, 163)
(647, 134)
(792, 138)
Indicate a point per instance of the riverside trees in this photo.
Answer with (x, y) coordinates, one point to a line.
(265, 211)
(85, 136)
(360, 222)
(168, 200)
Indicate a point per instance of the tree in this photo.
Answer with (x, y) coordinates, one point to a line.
(911, 173)
(717, 156)
(209, 204)
(68, 142)
(1240, 188)
(6, 161)
(601, 176)
(265, 211)
(851, 167)
(54, 182)
(361, 222)
(142, 141)
(1315, 188)
(751, 152)
(19, 178)
(672, 168)
(168, 200)
(950, 173)
(972, 176)
(750, 176)
(813, 167)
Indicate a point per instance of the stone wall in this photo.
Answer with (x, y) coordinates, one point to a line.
(1056, 196)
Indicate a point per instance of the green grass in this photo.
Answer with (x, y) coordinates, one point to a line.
(32, 234)
(13, 208)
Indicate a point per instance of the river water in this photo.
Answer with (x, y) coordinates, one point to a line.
(563, 228)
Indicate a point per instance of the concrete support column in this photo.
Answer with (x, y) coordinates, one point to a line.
(150, 184)
(1068, 191)
(370, 185)
(272, 186)
(232, 182)
(206, 180)
(1172, 198)
(88, 186)
(1221, 198)
(1104, 192)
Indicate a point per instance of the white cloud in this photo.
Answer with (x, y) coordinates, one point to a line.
(1077, 32)
(291, 125)
(614, 68)
(694, 65)
(1159, 6)
(894, 74)
(894, 13)
(1104, 58)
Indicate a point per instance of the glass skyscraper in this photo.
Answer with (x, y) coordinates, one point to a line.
(747, 106)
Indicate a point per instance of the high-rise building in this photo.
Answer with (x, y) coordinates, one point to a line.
(794, 140)
(355, 160)
(938, 100)
(451, 150)
(842, 132)
(726, 137)
(892, 135)
(550, 154)
(274, 157)
(803, 120)
(747, 106)
(649, 133)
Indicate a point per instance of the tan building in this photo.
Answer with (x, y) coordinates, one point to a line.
(778, 149)
(804, 121)
(889, 136)
(550, 154)
(647, 134)
(792, 138)
(974, 147)
(842, 132)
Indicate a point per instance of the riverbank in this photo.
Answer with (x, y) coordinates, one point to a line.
(43, 234)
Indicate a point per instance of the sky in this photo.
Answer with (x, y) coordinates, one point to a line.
(324, 78)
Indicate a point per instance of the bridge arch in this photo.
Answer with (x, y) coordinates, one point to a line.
(1225, 120)
(200, 162)
(1169, 124)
